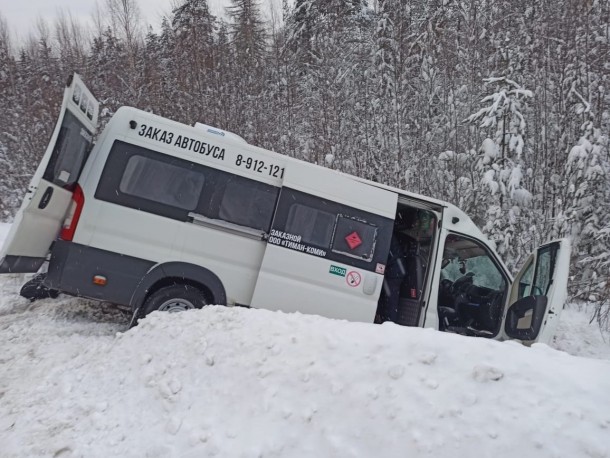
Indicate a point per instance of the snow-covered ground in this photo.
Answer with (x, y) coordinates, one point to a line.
(578, 336)
(232, 382)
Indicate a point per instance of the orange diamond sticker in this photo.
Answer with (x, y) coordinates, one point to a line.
(353, 240)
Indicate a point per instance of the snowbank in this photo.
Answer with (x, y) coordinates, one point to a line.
(577, 335)
(234, 382)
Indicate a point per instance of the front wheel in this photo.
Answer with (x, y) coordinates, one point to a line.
(175, 298)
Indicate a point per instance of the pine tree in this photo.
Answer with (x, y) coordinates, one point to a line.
(193, 27)
(501, 164)
(390, 74)
(168, 72)
(587, 213)
(248, 33)
(326, 40)
(13, 168)
(248, 40)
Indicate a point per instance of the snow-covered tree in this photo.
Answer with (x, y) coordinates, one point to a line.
(502, 166)
(248, 51)
(393, 32)
(194, 29)
(248, 31)
(587, 213)
(125, 20)
(328, 42)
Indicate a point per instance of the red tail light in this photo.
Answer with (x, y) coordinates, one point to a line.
(69, 227)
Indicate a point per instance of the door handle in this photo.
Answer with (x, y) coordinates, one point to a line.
(370, 284)
(46, 198)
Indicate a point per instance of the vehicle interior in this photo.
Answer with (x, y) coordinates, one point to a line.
(407, 266)
(472, 289)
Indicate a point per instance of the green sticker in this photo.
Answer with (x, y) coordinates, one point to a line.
(336, 270)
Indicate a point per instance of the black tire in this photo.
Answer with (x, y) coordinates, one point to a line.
(174, 298)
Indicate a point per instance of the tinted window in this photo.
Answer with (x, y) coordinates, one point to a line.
(314, 226)
(161, 182)
(157, 183)
(70, 152)
(323, 228)
(248, 203)
(354, 238)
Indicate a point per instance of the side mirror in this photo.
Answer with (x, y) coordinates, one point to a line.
(524, 318)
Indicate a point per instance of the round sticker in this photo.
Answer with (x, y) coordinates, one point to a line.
(353, 278)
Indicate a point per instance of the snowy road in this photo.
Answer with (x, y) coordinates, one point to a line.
(233, 382)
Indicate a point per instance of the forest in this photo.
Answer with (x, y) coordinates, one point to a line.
(501, 107)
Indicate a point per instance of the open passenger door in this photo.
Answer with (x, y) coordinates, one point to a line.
(328, 245)
(49, 194)
(538, 294)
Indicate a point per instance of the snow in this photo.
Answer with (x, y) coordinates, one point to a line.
(236, 382)
(578, 336)
(489, 150)
(489, 180)
(446, 156)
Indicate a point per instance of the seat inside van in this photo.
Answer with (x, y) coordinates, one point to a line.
(406, 268)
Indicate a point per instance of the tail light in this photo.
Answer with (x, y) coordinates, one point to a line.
(69, 227)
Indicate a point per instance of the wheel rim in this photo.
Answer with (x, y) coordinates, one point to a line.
(176, 305)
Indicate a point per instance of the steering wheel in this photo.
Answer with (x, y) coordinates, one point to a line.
(445, 285)
(461, 283)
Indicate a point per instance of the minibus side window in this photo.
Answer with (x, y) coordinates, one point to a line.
(248, 203)
(337, 232)
(344, 235)
(314, 226)
(161, 182)
(165, 185)
(354, 238)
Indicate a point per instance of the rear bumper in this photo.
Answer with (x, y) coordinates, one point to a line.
(20, 264)
(73, 266)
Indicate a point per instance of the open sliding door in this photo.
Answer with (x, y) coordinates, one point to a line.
(327, 247)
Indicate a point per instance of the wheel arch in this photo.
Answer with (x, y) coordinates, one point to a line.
(170, 273)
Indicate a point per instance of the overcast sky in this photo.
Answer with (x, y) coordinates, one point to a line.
(22, 15)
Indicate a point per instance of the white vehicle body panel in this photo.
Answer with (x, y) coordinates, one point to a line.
(253, 271)
(235, 259)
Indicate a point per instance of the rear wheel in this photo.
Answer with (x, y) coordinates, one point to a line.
(175, 298)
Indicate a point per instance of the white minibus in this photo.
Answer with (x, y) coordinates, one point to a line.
(158, 215)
